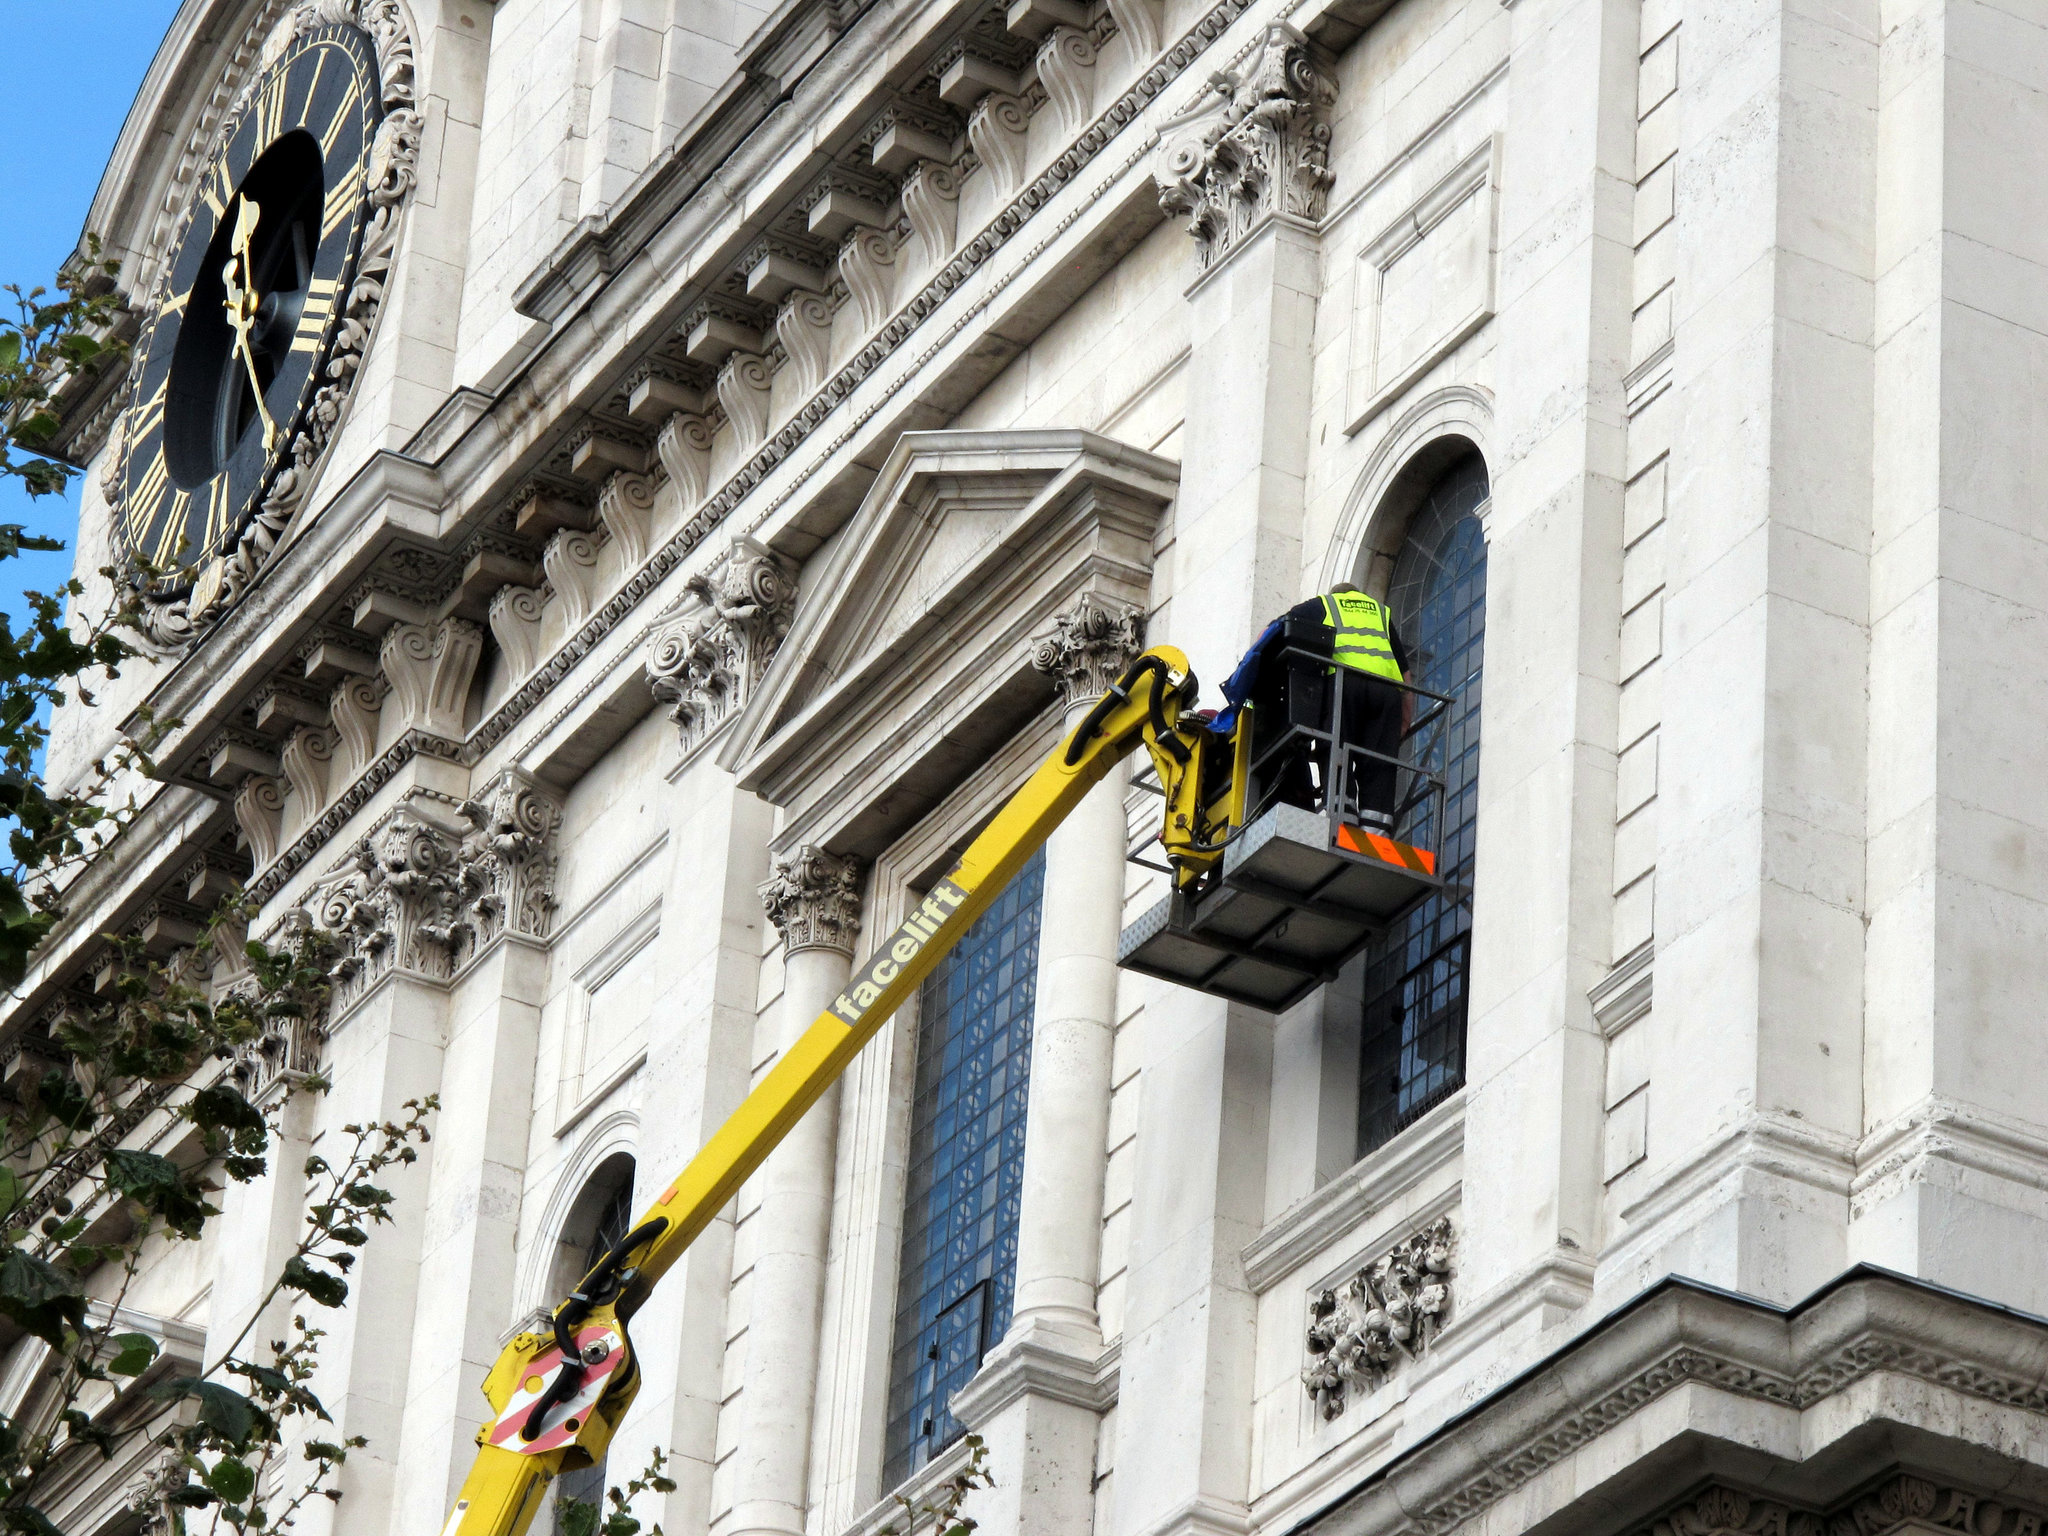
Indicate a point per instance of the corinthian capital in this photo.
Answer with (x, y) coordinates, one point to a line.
(1090, 646)
(1255, 144)
(705, 658)
(813, 899)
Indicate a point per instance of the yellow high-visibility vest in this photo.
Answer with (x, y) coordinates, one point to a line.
(1360, 636)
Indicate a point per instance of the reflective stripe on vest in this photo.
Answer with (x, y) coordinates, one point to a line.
(1360, 634)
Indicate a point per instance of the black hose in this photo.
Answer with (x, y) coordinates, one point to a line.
(597, 1286)
(1120, 693)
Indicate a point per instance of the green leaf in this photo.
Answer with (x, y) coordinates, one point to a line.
(223, 1410)
(159, 1185)
(134, 1354)
(233, 1480)
(575, 1518)
(221, 1108)
(328, 1290)
(10, 1191)
(40, 1297)
(30, 1522)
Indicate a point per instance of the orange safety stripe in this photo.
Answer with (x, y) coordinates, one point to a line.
(1385, 849)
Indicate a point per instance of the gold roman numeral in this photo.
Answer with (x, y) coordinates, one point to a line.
(314, 317)
(216, 509)
(270, 111)
(341, 200)
(149, 490)
(312, 87)
(339, 121)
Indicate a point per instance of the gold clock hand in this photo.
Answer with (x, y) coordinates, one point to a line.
(241, 303)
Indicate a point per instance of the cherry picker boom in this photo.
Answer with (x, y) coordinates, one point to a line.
(1264, 905)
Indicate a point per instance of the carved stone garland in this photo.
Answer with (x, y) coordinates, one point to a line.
(706, 659)
(394, 160)
(1253, 146)
(1390, 1311)
(813, 899)
(1090, 646)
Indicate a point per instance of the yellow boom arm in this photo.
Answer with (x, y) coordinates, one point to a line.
(557, 1398)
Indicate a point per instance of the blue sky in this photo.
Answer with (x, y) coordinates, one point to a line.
(72, 72)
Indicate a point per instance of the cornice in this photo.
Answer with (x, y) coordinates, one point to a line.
(1865, 1328)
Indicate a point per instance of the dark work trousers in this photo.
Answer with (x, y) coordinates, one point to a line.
(1306, 695)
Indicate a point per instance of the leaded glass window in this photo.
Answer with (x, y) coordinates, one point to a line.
(1412, 1054)
(966, 1170)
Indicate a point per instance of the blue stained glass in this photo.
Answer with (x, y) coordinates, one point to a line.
(1412, 1054)
(966, 1169)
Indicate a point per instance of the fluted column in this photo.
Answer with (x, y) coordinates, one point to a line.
(1059, 1236)
(813, 898)
(1038, 1399)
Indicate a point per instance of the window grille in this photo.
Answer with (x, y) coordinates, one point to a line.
(966, 1170)
(1412, 1053)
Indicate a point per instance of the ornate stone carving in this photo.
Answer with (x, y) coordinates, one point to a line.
(1066, 65)
(259, 812)
(626, 508)
(1902, 1501)
(508, 858)
(743, 384)
(804, 327)
(706, 660)
(865, 262)
(996, 128)
(813, 899)
(570, 560)
(1253, 146)
(353, 710)
(397, 903)
(684, 447)
(172, 621)
(152, 1492)
(931, 201)
(515, 624)
(1090, 646)
(430, 667)
(1360, 1332)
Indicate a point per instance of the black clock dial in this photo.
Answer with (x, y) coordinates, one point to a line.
(259, 277)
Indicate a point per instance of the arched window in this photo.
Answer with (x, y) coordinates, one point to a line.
(600, 1217)
(1412, 1052)
(966, 1174)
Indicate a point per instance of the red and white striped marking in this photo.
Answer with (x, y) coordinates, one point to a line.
(565, 1418)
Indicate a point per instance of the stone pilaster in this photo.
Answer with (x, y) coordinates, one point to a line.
(813, 898)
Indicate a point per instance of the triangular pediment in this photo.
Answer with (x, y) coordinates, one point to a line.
(910, 652)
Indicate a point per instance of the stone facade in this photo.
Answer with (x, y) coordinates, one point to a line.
(769, 426)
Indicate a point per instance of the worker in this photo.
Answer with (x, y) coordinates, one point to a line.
(1356, 632)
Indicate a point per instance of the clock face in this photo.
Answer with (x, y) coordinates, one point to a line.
(258, 281)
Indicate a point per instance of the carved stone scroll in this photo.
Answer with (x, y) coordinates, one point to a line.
(1138, 20)
(626, 508)
(259, 812)
(1254, 146)
(430, 667)
(866, 260)
(1360, 1332)
(570, 560)
(997, 128)
(354, 709)
(804, 327)
(1066, 68)
(515, 624)
(684, 448)
(813, 899)
(706, 659)
(931, 201)
(306, 756)
(1090, 646)
(743, 384)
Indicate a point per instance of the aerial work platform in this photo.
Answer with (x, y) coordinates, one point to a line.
(1299, 888)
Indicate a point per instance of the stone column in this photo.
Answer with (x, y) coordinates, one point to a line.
(813, 898)
(1038, 1399)
(1059, 1238)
